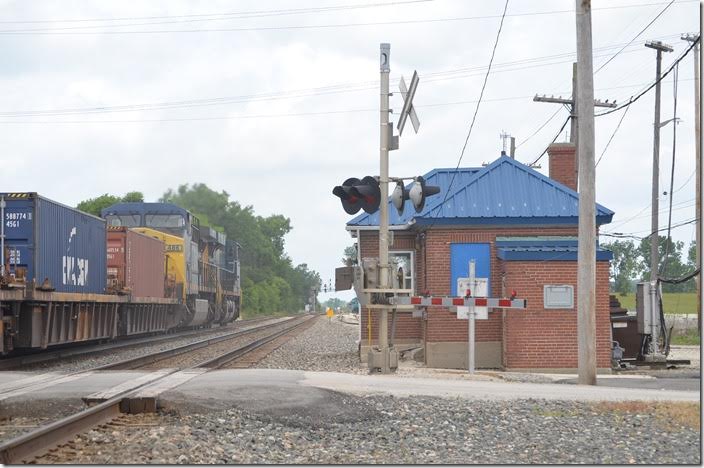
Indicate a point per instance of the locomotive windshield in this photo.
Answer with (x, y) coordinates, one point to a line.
(164, 221)
(123, 220)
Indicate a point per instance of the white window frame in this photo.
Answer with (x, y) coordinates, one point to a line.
(412, 273)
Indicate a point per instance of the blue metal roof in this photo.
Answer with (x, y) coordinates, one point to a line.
(541, 249)
(504, 192)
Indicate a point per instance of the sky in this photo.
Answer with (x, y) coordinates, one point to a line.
(276, 102)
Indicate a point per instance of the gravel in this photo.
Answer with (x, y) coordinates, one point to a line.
(85, 362)
(328, 345)
(418, 430)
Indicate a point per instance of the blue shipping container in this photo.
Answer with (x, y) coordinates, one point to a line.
(54, 241)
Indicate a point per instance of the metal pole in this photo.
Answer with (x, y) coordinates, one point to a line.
(470, 320)
(586, 276)
(574, 124)
(385, 57)
(698, 183)
(654, 223)
(655, 206)
(513, 148)
(698, 164)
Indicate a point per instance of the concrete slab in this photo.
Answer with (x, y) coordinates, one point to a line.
(130, 384)
(486, 389)
(8, 377)
(281, 390)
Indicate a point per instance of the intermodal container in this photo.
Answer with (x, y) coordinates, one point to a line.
(136, 263)
(45, 240)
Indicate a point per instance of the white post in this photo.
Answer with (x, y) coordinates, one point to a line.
(470, 319)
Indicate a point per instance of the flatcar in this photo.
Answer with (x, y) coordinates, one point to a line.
(67, 276)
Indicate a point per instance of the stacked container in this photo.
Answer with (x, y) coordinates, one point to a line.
(45, 240)
(135, 263)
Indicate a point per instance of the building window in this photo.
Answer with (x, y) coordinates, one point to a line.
(558, 296)
(405, 261)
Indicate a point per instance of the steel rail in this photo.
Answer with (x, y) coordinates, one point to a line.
(228, 356)
(26, 446)
(139, 361)
(79, 349)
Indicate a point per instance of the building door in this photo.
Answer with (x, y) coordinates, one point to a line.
(461, 254)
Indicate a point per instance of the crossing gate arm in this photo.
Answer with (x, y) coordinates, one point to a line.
(449, 301)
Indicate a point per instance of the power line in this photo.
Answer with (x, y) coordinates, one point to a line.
(258, 13)
(540, 128)
(672, 171)
(632, 235)
(240, 116)
(636, 36)
(612, 136)
(652, 85)
(236, 14)
(292, 94)
(476, 109)
(553, 141)
(72, 31)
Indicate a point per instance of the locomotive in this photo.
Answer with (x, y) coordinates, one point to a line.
(67, 276)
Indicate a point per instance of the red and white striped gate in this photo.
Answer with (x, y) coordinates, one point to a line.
(449, 301)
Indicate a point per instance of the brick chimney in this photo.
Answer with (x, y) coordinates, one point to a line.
(563, 164)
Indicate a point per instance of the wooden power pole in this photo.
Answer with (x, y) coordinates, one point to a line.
(655, 206)
(572, 103)
(586, 254)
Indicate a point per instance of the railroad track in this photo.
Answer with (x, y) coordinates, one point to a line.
(25, 447)
(79, 350)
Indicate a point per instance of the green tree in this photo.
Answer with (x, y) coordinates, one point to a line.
(692, 255)
(350, 255)
(624, 266)
(95, 205)
(270, 281)
(133, 197)
(670, 264)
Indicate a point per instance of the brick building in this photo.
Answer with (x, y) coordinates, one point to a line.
(520, 228)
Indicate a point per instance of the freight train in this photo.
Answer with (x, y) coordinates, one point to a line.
(67, 276)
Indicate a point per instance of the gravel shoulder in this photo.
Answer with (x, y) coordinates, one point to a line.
(418, 430)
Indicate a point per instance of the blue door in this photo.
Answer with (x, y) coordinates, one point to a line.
(461, 254)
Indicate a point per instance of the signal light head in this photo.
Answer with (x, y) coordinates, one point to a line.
(351, 203)
(356, 194)
(399, 196)
(419, 192)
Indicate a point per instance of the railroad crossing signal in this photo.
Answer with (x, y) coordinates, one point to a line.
(408, 110)
(417, 194)
(356, 194)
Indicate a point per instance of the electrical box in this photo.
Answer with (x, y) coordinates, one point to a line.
(645, 307)
(558, 296)
(344, 277)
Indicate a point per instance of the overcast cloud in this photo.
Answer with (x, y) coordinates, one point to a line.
(284, 154)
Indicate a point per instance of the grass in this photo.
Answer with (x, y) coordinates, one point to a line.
(669, 413)
(674, 303)
(689, 337)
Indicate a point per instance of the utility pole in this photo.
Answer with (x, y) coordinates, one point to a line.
(698, 185)
(586, 250)
(654, 237)
(385, 69)
(572, 103)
